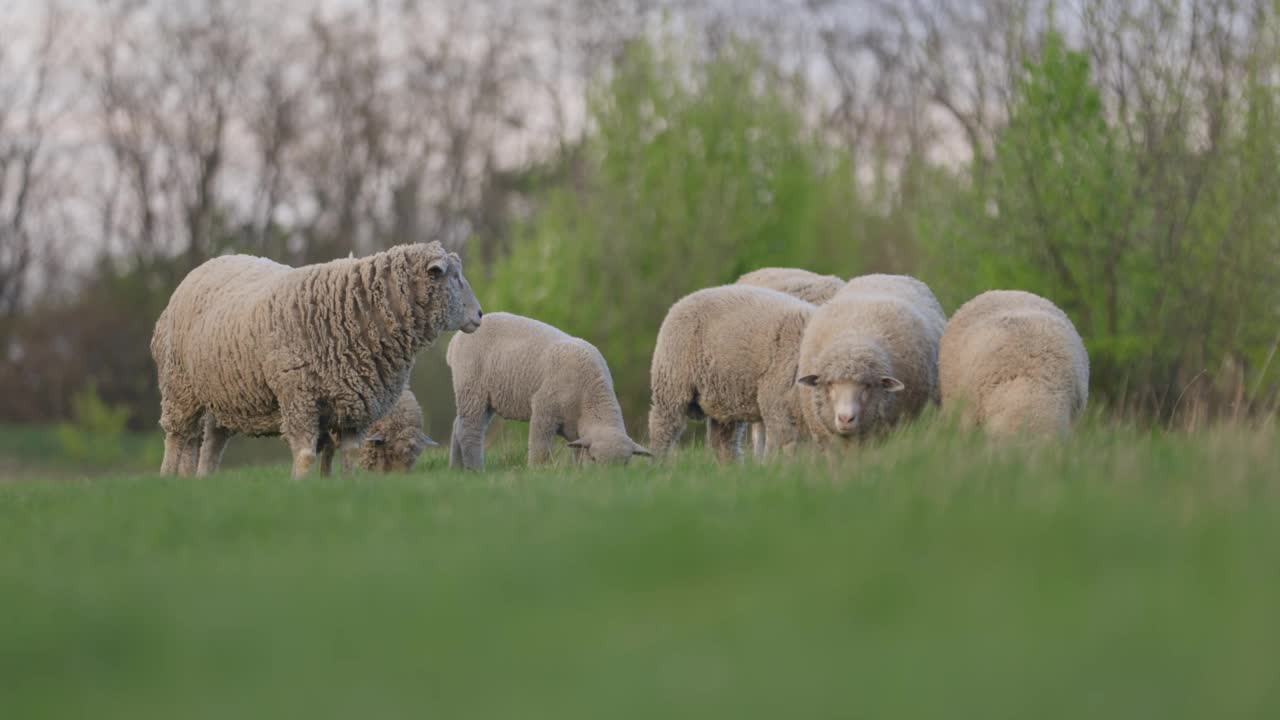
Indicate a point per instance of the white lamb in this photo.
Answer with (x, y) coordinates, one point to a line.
(261, 348)
(1012, 362)
(728, 354)
(521, 369)
(870, 357)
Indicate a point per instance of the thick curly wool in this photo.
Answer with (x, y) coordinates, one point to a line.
(1012, 362)
(266, 349)
(395, 441)
(729, 354)
(878, 328)
(518, 368)
(802, 284)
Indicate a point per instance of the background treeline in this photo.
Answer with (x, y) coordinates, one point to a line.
(594, 160)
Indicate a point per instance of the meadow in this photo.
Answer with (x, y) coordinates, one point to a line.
(1127, 573)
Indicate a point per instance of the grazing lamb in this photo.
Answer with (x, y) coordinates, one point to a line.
(728, 354)
(803, 284)
(521, 369)
(1012, 362)
(870, 357)
(394, 442)
(260, 348)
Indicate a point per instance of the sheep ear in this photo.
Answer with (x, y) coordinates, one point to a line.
(377, 438)
(426, 441)
(582, 443)
(810, 380)
(438, 267)
(640, 450)
(892, 384)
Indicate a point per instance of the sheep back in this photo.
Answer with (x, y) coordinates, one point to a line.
(512, 359)
(721, 350)
(1013, 361)
(796, 282)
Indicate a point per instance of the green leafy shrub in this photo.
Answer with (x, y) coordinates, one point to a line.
(695, 173)
(95, 436)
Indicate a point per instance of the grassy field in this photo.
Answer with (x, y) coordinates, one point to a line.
(1126, 574)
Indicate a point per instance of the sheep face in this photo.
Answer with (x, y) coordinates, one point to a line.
(461, 307)
(609, 450)
(856, 394)
(393, 454)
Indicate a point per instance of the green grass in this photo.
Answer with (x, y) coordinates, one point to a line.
(1125, 575)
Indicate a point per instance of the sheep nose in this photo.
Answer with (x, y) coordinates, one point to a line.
(846, 419)
(479, 313)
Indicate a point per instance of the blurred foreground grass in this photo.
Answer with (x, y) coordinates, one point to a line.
(1125, 574)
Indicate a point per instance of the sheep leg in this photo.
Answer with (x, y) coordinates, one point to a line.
(211, 449)
(542, 435)
(779, 435)
(726, 439)
(455, 444)
(181, 439)
(759, 439)
(350, 444)
(468, 433)
(301, 429)
(667, 422)
(327, 448)
(173, 445)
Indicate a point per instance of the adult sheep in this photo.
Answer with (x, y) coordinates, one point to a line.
(1012, 362)
(870, 357)
(522, 369)
(798, 283)
(728, 354)
(267, 349)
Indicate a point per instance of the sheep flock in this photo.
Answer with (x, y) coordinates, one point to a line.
(320, 355)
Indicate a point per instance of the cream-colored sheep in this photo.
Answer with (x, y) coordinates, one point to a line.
(521, 369)
(870, 357)
(261, 348)
(395, 441)
(803, 284)
(1012, 362)
(728, 354)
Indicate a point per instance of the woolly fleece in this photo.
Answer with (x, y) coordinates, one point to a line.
(877, 326)
(728, 354)
(522, 369)
(267, 349)
(1012, 362)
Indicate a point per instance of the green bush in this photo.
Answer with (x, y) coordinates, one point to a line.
(695, 173)
(1163, 250)
(95, 436)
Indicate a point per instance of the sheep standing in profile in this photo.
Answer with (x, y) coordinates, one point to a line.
(870, 357)
(728, 354)
(247, 345)
(798, 283)
(1012, 362)
(521, 369)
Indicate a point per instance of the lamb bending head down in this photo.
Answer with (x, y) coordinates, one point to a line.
(857, 389)
(609, 449)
